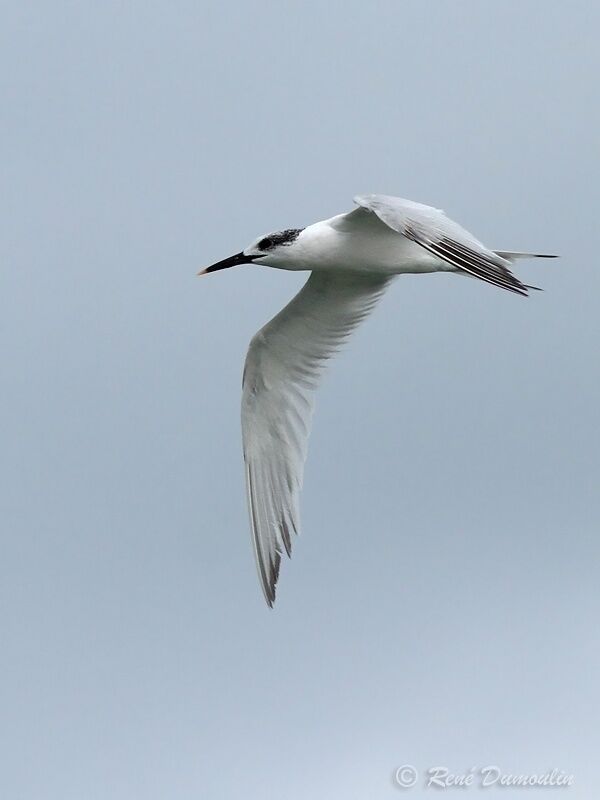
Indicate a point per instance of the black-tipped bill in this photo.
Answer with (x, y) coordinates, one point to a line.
(232, 261)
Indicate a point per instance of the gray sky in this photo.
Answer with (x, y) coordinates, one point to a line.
(442, 604)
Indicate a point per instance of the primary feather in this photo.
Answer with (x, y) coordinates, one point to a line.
(283, 366)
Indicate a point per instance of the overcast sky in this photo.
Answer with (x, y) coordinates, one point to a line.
(442, 604)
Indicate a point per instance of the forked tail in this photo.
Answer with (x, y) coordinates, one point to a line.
(510, 256)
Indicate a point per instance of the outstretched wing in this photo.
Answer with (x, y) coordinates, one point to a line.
(283, 366)
(433, 230)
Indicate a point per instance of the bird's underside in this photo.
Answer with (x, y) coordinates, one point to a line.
(286, 359)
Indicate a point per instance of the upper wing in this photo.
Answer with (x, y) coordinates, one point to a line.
(283, 367)
(432, 229)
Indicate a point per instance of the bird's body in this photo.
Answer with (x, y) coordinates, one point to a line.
(352, 258)
(355, 242)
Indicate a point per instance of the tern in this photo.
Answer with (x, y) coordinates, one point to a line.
(352, 258)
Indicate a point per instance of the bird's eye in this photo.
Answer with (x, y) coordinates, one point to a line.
(265, 243)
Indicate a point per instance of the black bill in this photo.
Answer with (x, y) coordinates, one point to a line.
(232, 261)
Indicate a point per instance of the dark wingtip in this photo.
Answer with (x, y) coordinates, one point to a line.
(270, 582)
(270, 596)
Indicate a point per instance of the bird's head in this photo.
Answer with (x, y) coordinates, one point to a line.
(271, 249)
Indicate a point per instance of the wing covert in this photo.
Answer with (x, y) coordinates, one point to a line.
(442, 237)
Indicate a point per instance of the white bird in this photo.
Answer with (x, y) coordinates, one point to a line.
(352, 257)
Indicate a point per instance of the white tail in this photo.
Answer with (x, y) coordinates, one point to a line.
(510, 256)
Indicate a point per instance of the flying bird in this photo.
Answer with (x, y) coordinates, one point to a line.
(352, 259)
